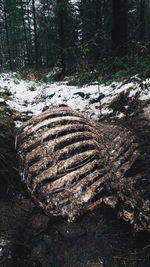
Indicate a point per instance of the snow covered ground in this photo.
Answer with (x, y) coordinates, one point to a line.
(33, 97)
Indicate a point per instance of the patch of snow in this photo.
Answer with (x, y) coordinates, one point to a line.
(32, 97)
(132, 10)
(3, 243)
(86, 197)
(1, 100)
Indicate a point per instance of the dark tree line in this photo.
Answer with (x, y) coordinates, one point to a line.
(119, 26)
(70, 35)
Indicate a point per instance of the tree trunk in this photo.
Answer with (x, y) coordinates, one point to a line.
(30, 38)
(35, 35)
(119, 27)
(98, 25)
(142, 21)
(25, 36)
(7, 39)
(61, 34)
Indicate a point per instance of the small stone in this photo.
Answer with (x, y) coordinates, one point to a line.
(81, 94)
(96, 100)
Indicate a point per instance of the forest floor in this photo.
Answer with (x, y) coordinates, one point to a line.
(30, 97)
(97, 239)
(28, 238)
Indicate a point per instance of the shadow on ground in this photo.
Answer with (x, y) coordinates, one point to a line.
(30, 238)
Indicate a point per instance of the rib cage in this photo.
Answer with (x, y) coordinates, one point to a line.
(71, 164)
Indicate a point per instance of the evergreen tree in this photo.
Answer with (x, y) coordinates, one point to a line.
(67, 35)
(142, 21)
(70, 34)
(119, 27)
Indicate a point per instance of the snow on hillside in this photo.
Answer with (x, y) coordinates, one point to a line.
(33, 97)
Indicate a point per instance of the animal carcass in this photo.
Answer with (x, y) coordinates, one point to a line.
(71, 164)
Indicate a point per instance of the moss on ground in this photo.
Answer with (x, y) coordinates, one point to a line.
(8, 161)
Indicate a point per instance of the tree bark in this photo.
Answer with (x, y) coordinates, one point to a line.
(142, 21)
(98, 25)
(25, 36)
(7, 39)
(119, 27)
(35, 35)
(61, 34)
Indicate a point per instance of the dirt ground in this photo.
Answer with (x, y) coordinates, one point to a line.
(30, 238)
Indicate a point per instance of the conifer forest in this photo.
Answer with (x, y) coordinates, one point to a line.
(101, 36)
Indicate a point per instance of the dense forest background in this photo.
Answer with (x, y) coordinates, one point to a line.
(90, 37)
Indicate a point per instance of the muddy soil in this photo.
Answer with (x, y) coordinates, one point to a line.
(30, 238)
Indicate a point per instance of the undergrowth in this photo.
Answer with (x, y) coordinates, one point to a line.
(106, 70)
(8, 160)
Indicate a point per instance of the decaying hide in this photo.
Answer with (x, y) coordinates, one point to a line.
(71, 164)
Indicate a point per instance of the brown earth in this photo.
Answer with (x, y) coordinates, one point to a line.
(29, 238)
